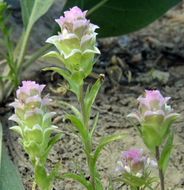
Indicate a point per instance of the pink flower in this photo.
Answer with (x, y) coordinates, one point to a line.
(33, 120)
(70, 17)
(134, 161)
(29, 103)
(29, 88)
(152, 100)
(155, 117)
(76, 43)
(153, 108)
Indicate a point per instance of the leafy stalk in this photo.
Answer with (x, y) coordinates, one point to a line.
(88, 143)
(161, 174)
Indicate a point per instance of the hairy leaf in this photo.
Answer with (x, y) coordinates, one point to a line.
(9, 176)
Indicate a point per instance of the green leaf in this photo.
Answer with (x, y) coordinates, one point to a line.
(117, 17)
(94, 124)
(166, 152)
(1, 140)
(9, 176)
(32, 10)
(105, 141)
(73, 108)
(81, 179)
(51, 143)
(91, 95)
(54, 55)
(3, 6)
(133, 181)
(63, 72)
(150, 136)
(79, 126)
(42, 178)
(145, 181)
(98, 182)
(74, 80)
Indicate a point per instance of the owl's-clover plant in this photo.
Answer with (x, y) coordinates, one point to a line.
(35, 128)
(76, 45)
(76, 50)
(134, 169)
(156, 118)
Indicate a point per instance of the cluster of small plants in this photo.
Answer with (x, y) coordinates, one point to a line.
(76, 50)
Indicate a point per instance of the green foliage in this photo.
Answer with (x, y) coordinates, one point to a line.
(166, 152)
(136, 182)
(33, 10)
(120, 17)
(151, 136)
(75, 79)
(42, 178)
(81, 179)
(91, 95)
(95, 122)
(80, 121)
(79, 126)
(73, 108)
(15, 55)
(7, 42)
(104, 142)
(9, 177)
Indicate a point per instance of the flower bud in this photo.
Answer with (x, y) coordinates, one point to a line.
(33, 120)
(155, 117)
(76, 42)
(134, 162)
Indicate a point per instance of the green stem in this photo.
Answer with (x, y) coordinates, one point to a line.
(82, 104)
(88, 144)
(42, 178)
(161, 174)
(23, 47)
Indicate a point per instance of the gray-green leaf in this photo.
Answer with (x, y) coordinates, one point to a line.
(32, 10)
(9, 176)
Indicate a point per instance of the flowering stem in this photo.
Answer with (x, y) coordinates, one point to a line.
(88, 143)
(82, 104)
(161, 175)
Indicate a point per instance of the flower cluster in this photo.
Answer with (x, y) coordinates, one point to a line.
(76, 42)
(134, 162)
(33, 120)
(155, 117)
